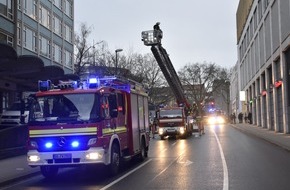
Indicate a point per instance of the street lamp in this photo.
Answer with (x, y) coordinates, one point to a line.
(117, 50)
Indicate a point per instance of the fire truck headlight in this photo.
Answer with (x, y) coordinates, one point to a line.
(94, 156)
(160, 131)
(211, 120)
(33, 158)
(75, 144)
(92, 141)
(48, 145)
(181, 130)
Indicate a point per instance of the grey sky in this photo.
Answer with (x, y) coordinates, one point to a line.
(193, 30)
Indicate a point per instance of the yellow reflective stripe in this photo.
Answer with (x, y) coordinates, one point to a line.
(59, 132)
(121, 129)
(109, 131)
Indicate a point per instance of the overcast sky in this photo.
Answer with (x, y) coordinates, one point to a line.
(193, 30)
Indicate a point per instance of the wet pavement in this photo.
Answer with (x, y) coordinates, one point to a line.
(15, 168)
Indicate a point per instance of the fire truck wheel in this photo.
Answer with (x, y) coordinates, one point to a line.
(115, 160)
(161, 137)
(143, 152)
(49, 171)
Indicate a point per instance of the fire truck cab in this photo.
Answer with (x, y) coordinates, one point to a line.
(97, 121)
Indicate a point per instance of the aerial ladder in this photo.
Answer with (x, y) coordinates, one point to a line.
(153, 38)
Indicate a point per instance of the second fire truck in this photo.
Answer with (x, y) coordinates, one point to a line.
(98, 121)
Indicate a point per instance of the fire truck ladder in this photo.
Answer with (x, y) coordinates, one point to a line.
(153, 38)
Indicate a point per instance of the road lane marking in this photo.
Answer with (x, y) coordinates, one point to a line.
(225, 168)
(127, 174)
(185, 163)
(175, 160)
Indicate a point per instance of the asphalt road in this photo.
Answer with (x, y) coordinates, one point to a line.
(224, 158)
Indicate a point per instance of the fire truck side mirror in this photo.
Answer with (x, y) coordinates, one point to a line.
(113, 105)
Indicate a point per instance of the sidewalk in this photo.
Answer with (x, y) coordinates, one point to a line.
(16, 168)
(279, 139)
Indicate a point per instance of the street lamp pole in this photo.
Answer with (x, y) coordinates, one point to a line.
(117, 50)
(94, 51)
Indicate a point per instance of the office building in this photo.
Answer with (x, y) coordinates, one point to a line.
(43, 28)
(263, 41)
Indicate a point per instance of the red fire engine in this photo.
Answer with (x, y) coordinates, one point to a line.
(98, 121)
(174, 120)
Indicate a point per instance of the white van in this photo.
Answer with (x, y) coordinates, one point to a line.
(12, 116)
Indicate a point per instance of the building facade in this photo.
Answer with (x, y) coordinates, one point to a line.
(263, 41)
(43, 28)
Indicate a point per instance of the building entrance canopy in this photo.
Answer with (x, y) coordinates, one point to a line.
(26, 70)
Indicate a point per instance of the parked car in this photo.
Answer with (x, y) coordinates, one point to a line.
(12, 116)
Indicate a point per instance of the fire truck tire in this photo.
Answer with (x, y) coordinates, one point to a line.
(143, 152)
(115, 160)
(49, 171)
(161, 137)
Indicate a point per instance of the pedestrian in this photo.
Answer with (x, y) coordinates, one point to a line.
(250, 117)
(240, 117)
(234, 118)
(246, 118)
(154, 127)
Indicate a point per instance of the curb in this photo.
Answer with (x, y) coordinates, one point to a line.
(265, 138)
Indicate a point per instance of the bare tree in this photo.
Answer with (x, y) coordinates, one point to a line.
(82, 48)
(198, 80)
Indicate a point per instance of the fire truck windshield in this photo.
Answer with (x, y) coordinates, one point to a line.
(170, 113)
(64, 108)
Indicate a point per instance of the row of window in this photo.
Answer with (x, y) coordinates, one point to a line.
(46, 18)
(255, 20)
(46, 48)
(30, 7)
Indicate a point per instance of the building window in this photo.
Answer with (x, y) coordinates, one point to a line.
(19, 4)
(44, 17)
(57, 25)
(67, 33)
(29, 39)
(57, 53)
(6, 8)
(6, 39)
(68, 8)
(30, 8)
(44, 46)
(67, 59)
(58, 3)
(18, 33)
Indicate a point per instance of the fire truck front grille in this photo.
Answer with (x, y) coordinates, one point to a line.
(63, 161)
(59, 144)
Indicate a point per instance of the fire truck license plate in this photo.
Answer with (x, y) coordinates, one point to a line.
(61, 156)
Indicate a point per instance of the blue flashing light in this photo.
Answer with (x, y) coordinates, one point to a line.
(94, 82)
(75, 144)
(48, 145)
(44, 85)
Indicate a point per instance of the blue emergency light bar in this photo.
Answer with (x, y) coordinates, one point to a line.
(44, 85)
